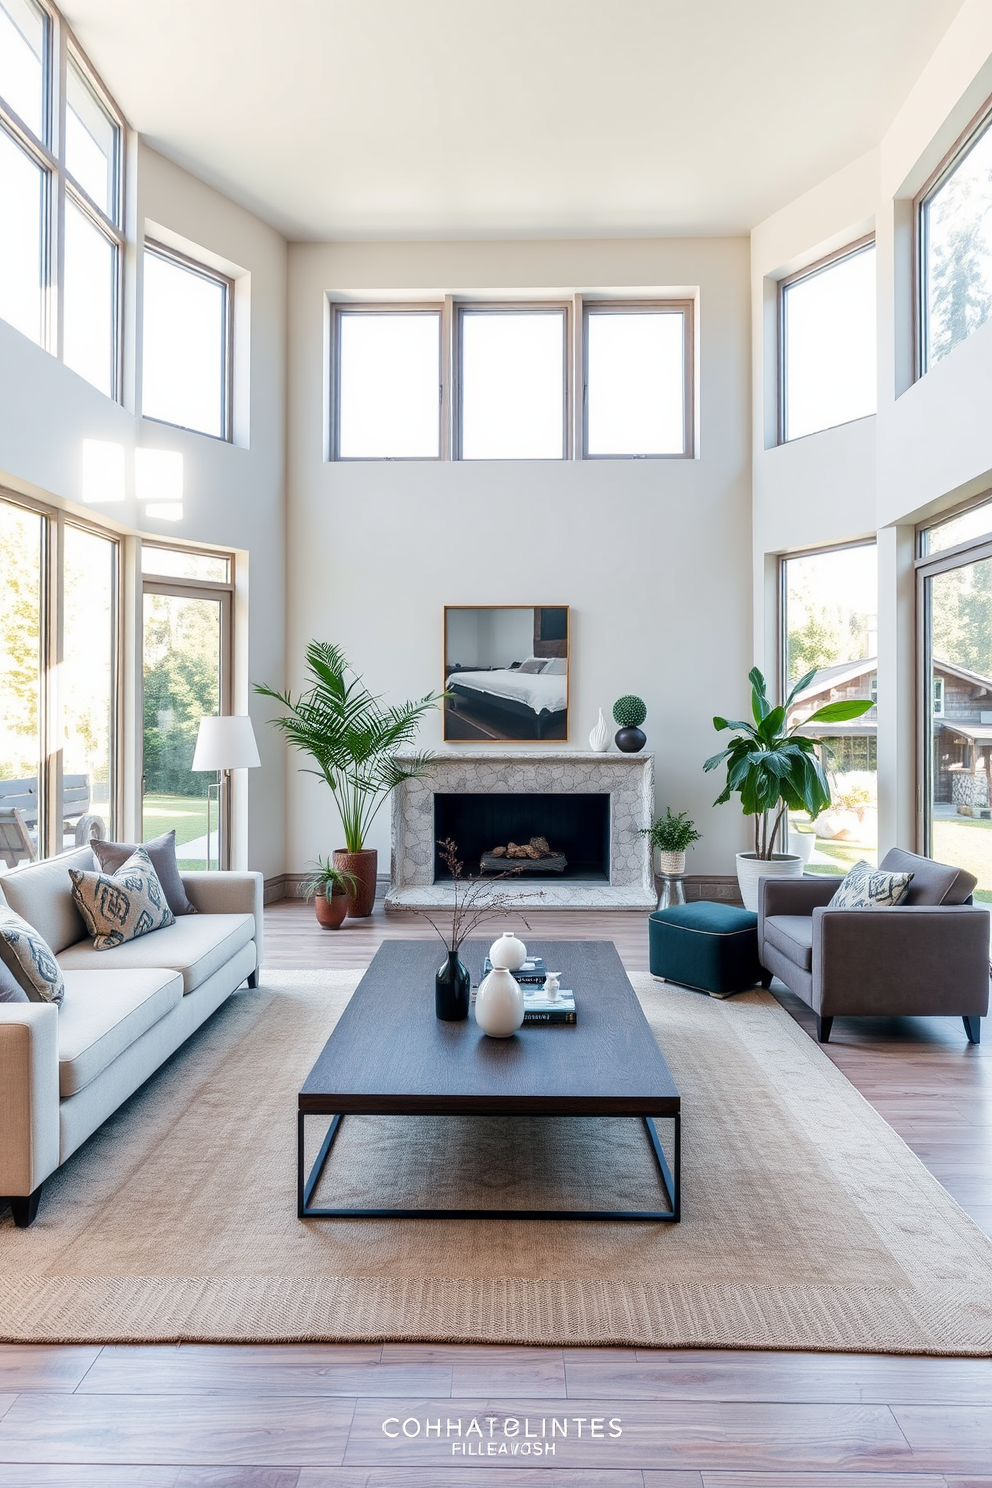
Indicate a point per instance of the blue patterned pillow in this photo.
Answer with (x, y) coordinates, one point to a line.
(866, 887)
(29, 959)
(123, 905)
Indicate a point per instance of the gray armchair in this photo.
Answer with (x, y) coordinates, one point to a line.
(927, 956)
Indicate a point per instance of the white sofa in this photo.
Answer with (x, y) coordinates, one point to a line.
(63, 1071)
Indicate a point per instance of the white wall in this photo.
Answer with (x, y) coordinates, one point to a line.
(646, 552)
(930, 444)
(234, 496)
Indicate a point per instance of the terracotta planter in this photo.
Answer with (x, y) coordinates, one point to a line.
(330, 912)
(363, 865)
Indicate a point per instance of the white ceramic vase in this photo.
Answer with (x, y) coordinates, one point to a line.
(671, 864)
(599, 739)
(508, 952)
(751, 870)
(499, 1004)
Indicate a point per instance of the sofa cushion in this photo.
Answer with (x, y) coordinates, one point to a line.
(196, 945)
(162, 851)
(42, 894)
(792, 935)
(866, 887)
(102, 1015)
(28, 957)
(933, 883)
(121, 906)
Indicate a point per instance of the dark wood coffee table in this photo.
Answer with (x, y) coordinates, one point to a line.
(389, 1055)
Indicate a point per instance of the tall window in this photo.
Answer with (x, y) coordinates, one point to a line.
(955, 605)
(186, 350)
(636, 377)
(469, 381)
(61, 196)
(829, 604)
(187, 676)
(828, 343)
(955, 247)
(58, 682)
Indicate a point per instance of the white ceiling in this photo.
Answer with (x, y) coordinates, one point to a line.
(510, 118)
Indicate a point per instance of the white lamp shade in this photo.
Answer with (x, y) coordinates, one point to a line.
(226, 743)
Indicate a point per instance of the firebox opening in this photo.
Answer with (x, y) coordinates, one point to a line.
(575, 826)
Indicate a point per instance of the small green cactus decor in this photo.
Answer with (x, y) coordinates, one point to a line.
(630, 712)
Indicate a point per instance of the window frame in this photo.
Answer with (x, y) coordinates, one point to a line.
(51, 656)
(338, 310)
(686, 309)
(61, 187)
(212, 276)
(811, 271)
(782, 594)
(979, 125)
(510, 307)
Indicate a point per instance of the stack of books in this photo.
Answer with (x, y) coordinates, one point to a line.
(538, 1007)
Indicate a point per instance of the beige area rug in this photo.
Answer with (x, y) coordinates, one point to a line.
(808, 1224)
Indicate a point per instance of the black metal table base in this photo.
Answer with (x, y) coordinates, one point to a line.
(671, 1179)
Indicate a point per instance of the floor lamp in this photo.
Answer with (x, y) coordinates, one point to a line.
(225, 744)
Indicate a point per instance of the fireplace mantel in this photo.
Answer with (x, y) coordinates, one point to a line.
(628, 779)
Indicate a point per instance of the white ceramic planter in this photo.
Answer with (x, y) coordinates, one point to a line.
(499, 1004)
(802, 844)
(671, 864)
(751, 869)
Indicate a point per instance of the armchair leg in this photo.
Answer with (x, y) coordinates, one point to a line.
(253, 978)
(973, 1028)
(766, 978)
(823, 1027)
(25, 1211)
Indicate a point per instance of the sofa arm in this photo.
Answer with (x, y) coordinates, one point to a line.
(905, 959)
(29, 1096)
(793, 896)
(228, 893)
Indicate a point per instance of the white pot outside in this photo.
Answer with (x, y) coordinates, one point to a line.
(802, 844)
(671, 864)
(751, 869)
(499, 1004)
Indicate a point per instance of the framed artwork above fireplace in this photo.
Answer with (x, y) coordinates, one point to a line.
(506, 673)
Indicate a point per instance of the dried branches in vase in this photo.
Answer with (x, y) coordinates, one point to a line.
(475, 900)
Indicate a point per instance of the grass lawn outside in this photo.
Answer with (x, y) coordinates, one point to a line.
(188, 814)
(966, 843)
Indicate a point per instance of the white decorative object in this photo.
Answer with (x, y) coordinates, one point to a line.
(599, 739)
(552, 985)
(508, 952)
(499, 1004)
(751, 869)
(671, 864)
(802, 843)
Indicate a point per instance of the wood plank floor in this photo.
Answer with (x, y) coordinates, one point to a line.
(313, 1416)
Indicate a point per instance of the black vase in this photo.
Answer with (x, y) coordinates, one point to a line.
(630, 740)
(451, 990)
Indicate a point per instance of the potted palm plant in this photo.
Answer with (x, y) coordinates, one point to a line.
(774, 769)
(329, 888)
(352, 739)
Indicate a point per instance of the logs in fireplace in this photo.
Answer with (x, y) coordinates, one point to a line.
(536, 856)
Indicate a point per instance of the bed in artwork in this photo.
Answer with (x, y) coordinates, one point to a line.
(509, 703)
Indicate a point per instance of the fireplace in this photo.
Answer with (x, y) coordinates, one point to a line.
(577, 826)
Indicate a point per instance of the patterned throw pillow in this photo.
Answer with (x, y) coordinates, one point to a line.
(29, 959)
(123, 905)
(162, 850)
(866, 887)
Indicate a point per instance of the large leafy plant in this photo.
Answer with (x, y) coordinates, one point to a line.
(351, 737)
(773, 768)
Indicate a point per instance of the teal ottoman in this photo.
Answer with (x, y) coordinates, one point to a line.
(712, 947)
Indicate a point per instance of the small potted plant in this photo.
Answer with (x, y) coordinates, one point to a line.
(630, 712)
(671, 834)
(329, 888)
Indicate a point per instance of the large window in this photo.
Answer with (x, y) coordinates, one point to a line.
(59, 648)
(955, 604)
(187, 676)
(829, 604)
(828, 339)
(61, 195)
(955, 247)
(186, 344)
(511, 381)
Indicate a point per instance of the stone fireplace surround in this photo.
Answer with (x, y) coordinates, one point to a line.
(628, 779)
